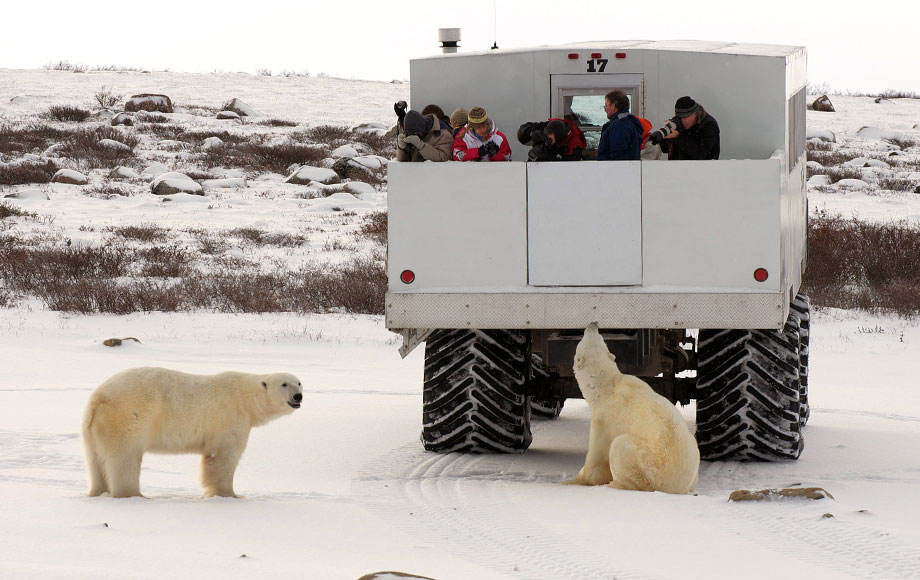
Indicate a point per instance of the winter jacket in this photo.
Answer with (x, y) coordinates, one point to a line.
(467, 143)
(569, 149)
(701, 141)
(437, 143)
(621, 138)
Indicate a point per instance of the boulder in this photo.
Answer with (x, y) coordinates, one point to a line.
(345, 151)
(212, 142)
(155, 169)
(122, 119)
(371, 128)
(307, 173)
(823, 104)
(241, 109)
(174, 182)
(69, 176)
(229, 115)
(856, 184)
(820, 134)
(122, 172)
(359, 188)
(779, 494)
(357, 168)
(113, 144)
(149, 102)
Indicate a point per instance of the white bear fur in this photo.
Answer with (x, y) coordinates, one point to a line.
(638, 439)
(160, 410)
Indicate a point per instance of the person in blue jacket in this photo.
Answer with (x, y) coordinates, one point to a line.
(621, 137)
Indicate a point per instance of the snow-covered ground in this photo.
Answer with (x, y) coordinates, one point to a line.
(343, 487)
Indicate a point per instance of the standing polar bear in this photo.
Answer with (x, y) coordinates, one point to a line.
(638, 439)
(166, 411)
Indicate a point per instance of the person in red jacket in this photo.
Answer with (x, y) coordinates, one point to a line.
(552, 140)
(481, 140)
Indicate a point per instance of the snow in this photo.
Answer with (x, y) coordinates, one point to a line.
(343, 488)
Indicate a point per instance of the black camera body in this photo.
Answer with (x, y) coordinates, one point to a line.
(673, 124)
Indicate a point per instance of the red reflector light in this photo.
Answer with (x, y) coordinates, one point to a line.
(407, 276)
(595, 55)
(761, 274)
(621, 55)
(573, 55)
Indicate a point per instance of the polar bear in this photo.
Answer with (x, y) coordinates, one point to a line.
(638, 439)
(166, 411)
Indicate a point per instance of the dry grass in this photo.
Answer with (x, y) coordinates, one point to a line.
(149, 233)
(262, 156)
(66, 113)
(30, 172)
(375, 227)
(9, 210)
(31, 138)
(83, 148)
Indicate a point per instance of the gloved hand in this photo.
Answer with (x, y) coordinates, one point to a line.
(483, 151)
(401, 141)
(414, 140)
(534, 153)
(491, 148)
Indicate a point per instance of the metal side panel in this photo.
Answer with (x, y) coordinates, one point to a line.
(457, 225)
(577, 310)
(584, 224)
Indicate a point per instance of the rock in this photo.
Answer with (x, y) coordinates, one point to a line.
(19, 100)
(853, 184)
(866, 162)
(345, 151)
(389, 575)
(122, 172)
(359, 188)
(106, 114)
(122, 119)
(241, 109)
(118, 341)
(779, 494)
(231, 182)
(358, 167)
(113, 144)
(212, 142)
(306, 173)
(30, 194)
(229, 115)
(149, 102)
(69, 176)
(155, 169)
(876, 133)
(372, 129)
(53, 150)
(814, 166)
(821, 134)
(173, 182)
(823, 104)
(818, 180)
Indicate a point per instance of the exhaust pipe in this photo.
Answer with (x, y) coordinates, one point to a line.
(449, 39)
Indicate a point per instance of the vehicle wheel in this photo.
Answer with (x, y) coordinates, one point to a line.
(543, 408)
(474, 397)
(748, 394)
(801, 310)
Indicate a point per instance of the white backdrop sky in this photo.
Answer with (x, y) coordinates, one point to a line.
(857, 46)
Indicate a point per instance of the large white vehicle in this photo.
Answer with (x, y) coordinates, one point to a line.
(692, 267)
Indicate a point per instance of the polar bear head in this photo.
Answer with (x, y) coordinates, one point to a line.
(592, 350)
(284, 390)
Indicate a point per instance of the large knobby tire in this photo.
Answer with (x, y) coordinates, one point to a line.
(748, 399)
(543, 408)
(800, 309)
(474, 398)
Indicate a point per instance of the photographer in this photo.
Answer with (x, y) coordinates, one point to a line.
(552, 140)
(691, 134)
(421, 137)
(481, 140)
(621, 137)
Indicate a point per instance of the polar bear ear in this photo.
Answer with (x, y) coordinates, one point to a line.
(264, 385)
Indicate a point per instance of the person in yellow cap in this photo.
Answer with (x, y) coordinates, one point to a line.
(481, 140)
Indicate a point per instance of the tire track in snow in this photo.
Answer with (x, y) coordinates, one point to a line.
(448, 500)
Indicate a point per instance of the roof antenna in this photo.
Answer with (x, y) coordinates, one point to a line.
(494, 26)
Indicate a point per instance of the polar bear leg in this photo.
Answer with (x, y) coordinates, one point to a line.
(626, 466)
(218, 464)
(596, 470)
(123, 471)
(97, 478)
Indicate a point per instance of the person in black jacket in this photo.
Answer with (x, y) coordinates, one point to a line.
(694, 133)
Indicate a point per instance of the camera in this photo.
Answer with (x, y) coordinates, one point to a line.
(673, 124)
(399, 107)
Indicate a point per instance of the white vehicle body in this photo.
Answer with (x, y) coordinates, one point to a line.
(628, 244)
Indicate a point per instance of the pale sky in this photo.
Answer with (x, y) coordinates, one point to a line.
(867, 46)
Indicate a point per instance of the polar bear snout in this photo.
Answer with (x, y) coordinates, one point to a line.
(295, 401)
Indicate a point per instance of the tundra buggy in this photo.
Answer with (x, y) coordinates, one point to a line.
(693, 268)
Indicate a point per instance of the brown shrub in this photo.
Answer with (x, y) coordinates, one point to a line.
(66, 113)
(29, 172)
(83, 148)
(141, 233)
(845, 172)
(378, 144)
(897, 184)
(35, 137)
(261, 156)
(165, 262)
(375, 227)
(9, 210)
(329, 135)
(107, 190)
(828, 158)
(278, 123)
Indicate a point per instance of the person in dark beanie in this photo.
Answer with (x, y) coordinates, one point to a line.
(423, 138)
(621, 136)
(697, 136)
(481, 140)
(552, 140)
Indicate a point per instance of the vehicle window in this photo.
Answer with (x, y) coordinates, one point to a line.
(587, 111)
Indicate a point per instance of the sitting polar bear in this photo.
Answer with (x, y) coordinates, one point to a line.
(166, 411)
(638, 439)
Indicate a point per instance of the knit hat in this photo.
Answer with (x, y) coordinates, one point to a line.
(558, 129)
(459, 117)
(415, 123)
(478, 116)
(684, 107)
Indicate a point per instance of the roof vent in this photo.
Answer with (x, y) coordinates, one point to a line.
(449, 39)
